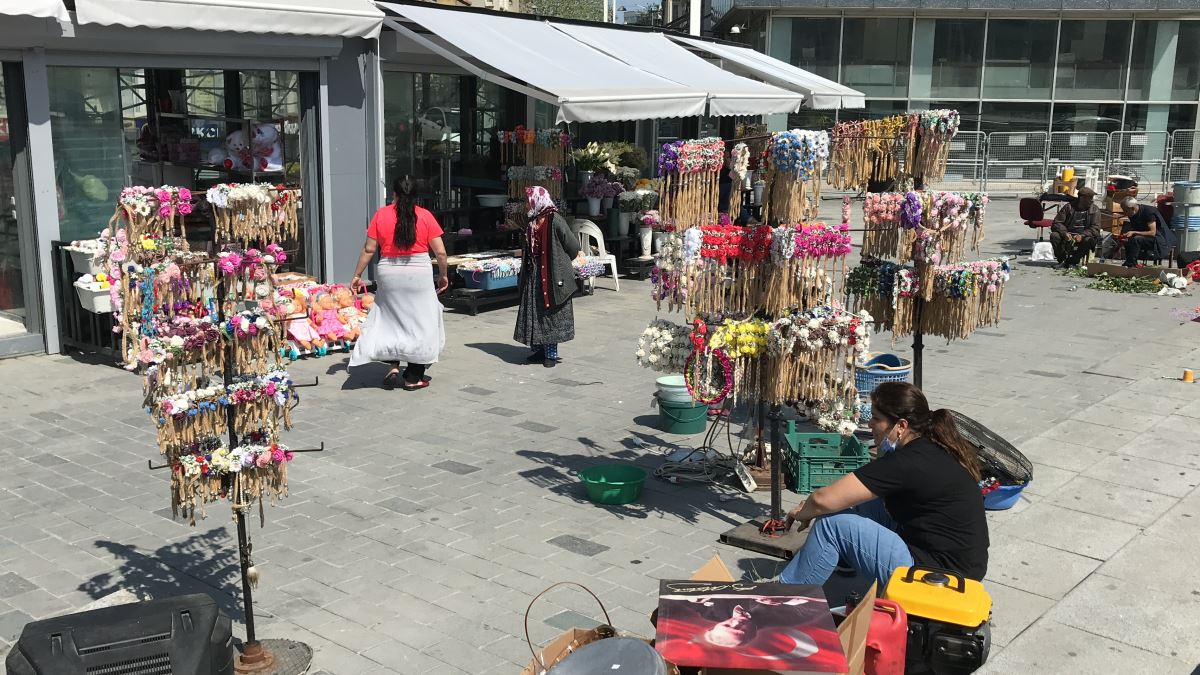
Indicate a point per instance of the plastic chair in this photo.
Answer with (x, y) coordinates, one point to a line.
(1034, 216)
(588, 230)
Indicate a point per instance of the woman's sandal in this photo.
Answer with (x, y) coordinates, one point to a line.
(389, 380)
(416, 385)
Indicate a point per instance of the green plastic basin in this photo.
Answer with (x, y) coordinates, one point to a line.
(613, 483)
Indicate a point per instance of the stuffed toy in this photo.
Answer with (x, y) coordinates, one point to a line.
(235, 156)
(325, 317)
(266, 148)
(351, 316)
(300, 328)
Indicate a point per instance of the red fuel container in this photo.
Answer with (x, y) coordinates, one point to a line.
(887, 639)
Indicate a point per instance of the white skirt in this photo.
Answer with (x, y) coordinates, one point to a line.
(405, 325)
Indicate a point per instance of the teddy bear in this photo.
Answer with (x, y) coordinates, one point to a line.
(235, 156)
(266, 148)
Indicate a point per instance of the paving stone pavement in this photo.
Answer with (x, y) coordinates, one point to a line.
(415, 541)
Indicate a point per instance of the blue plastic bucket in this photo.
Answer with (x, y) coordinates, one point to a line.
(874, 371)
(1003, 497)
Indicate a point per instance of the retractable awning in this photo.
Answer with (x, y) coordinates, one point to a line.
(822, 93)
(326, 18)
(588, 85)
(38, 9)
(728, 94)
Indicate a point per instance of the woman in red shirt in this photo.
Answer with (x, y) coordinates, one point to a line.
(406, 322)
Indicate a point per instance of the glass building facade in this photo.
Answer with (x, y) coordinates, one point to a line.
(1004, 73)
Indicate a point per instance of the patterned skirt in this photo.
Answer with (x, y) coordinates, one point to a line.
(537, 325)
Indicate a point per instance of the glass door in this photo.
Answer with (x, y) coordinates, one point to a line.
(13, 314)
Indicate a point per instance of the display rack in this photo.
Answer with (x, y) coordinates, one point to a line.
(209, 353)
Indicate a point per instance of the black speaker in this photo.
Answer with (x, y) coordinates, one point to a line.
(185, 635)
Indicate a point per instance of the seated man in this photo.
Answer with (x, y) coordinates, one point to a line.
(1145, 232)
(1076, 229)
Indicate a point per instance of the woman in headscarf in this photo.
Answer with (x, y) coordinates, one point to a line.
(406, 321)
(545, 317)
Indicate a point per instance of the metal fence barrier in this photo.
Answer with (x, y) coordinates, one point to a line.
(1141, 155)
(967, 162)
(1013, 161)
(1183, 163)
(1023, 162)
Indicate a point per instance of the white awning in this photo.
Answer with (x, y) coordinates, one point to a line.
(38, 9)
(586, 84)
(822, 93)
(728, 94)
(327, 18)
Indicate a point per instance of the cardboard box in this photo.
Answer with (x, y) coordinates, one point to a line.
(1118, 270)
(852, 632)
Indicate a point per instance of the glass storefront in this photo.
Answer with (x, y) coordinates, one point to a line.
(812, 44)
(115, 127)
(1019, 59)
(1005, 74)
(1092, 57)
(875, 55)
(957, 56)
(1014, 117)
(444, 130)
(13, 314)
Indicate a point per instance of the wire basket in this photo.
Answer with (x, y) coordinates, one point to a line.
(874, 369)
(998, 458)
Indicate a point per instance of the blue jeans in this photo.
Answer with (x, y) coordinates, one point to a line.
(863, 536)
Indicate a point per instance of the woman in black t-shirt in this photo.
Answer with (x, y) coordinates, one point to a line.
(918, 502)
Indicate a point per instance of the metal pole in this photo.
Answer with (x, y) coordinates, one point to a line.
(918, 344)
(776, 416)
(247, 598)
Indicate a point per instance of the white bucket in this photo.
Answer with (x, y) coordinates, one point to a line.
(83, 262)
(672, 388)
(93, 298)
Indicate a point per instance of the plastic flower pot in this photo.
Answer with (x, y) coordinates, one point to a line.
(645, 238)
(613, 483)
(93, 298)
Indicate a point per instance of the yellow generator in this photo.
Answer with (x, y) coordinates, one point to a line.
(948, 615)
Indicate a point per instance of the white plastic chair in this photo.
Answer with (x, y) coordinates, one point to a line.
(595, 248)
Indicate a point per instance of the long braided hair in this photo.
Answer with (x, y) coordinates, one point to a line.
(406, 212)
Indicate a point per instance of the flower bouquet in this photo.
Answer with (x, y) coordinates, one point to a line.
(593, 157)
(628, 176)
(595, 191)
(664, 347)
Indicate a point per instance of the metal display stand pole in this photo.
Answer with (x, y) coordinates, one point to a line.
(918, 345)
(769, 536)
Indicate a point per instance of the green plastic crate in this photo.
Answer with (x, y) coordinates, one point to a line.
(817, 460)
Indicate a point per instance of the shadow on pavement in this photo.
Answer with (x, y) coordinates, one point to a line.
(686, 501)
(508, 353)
(203, 563)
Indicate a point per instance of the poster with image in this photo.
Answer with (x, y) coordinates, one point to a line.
(747, 625)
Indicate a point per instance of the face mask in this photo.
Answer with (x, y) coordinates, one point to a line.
(888, 445)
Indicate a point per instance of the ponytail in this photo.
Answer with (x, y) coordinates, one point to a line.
(406, 212)
(902, 401)
(942, 430)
